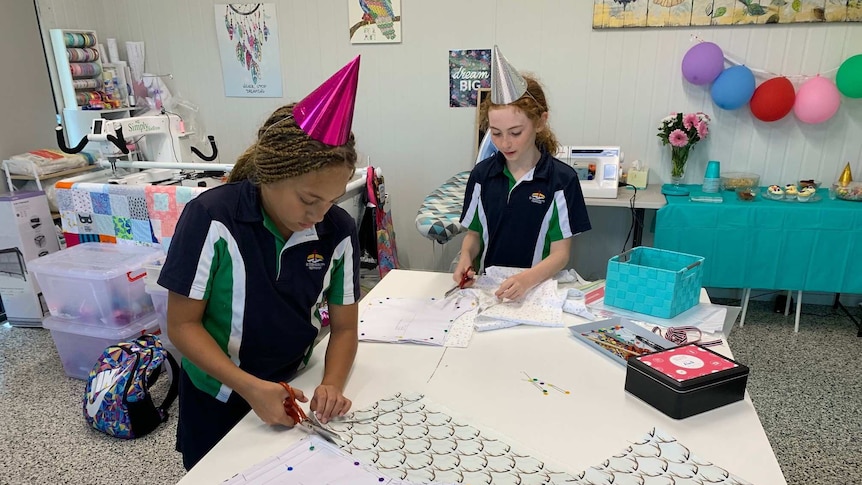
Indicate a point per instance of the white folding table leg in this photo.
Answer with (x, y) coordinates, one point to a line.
(798, 310)
(787, 303)
(746, 294)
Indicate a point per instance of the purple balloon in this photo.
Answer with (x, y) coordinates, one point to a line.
(703, 63)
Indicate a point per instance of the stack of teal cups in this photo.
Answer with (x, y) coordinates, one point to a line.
(712, 177)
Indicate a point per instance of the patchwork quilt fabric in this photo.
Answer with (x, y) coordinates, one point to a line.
(123, 214)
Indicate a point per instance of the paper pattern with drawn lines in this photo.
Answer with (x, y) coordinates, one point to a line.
(312, 460)
(416, 320)
(407, 437)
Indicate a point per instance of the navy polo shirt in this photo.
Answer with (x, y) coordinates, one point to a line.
(263, 292)
(518, 220)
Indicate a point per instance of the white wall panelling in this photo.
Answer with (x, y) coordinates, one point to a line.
(604, 87)
(28, 116)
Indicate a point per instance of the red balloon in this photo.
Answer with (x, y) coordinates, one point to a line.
(773, 99)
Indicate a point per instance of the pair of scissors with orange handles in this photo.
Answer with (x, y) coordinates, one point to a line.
(460, 286)
(309, 422)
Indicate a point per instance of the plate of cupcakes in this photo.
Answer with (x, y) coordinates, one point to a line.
(791, 193)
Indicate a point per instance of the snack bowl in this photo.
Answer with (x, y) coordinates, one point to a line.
(851, 191)
(739, 180)
(746, 194)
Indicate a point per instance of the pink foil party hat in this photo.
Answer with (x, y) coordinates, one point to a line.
(507, 85)
(326, 114)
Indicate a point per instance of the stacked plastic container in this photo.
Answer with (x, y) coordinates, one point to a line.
(96, 295)
(159, 295)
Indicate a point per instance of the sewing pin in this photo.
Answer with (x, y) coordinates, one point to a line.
(533, 382)
(559, 389)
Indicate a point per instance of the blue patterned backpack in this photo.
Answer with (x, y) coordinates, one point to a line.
(117, 399)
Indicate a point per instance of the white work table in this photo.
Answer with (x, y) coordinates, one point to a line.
(648, 198)
(485, 386)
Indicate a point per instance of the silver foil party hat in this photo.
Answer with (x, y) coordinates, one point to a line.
(507, 85)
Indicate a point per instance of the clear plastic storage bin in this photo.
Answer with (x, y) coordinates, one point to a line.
(96, 282)
(160, 302)
(153, 269)
(81, 344)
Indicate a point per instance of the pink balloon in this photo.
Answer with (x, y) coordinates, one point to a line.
(817, 100)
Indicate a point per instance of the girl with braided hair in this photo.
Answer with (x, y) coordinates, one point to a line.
(522, 206)
(249, 268)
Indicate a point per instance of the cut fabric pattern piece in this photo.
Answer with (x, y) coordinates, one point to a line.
(407, 437)
(461, 330)
(541, 305)
(658, 458)
(424, 321)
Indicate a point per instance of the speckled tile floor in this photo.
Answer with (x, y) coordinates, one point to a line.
(44, 438)
(807, 388)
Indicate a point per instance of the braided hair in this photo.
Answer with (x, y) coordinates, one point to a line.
(533, 103)
(283, 151)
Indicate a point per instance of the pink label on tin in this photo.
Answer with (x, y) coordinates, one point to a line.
(687, 362)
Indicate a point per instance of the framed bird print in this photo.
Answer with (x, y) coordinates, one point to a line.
(374, 21)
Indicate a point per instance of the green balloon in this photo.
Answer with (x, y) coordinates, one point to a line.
(849, 77)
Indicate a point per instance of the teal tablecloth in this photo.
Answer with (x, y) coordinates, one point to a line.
(768, 244)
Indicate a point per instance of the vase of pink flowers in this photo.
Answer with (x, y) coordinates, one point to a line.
(682, 131)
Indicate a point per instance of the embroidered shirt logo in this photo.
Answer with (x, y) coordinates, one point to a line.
(537, 198)
(314, 261)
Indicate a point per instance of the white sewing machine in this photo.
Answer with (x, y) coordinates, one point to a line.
(598, 169)
(160, 138)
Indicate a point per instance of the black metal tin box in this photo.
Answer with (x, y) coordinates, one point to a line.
(686, 380)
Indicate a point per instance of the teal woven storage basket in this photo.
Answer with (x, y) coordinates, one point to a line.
(654, 281)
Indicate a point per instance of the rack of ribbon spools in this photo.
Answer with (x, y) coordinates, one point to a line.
(81, 73)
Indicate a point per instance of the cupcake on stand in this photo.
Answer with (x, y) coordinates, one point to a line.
(775, 192)
(805, 194)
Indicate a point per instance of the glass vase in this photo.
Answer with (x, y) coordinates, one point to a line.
(678, 157)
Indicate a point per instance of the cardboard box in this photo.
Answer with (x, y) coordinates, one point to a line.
(28, 234)
(686, 380)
